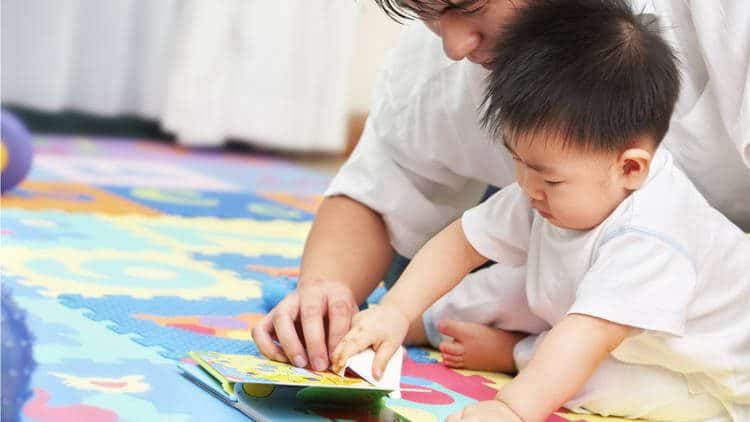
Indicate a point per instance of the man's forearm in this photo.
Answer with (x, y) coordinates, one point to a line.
(349, 243)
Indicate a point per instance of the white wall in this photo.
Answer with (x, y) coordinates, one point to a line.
(376, 34)
(110, 58)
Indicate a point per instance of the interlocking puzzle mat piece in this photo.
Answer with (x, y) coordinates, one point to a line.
(72, 197)
(99, 255)
(141, 274)
(97, 161)
(196, 203)
(74, 231)
(205, 235)
(308, 203)
(175, 325)
(149, 201)
(132, 390)
(131, 171)
(210, 235)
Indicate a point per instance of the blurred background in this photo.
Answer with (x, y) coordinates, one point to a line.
(208, 121)
(286, 76)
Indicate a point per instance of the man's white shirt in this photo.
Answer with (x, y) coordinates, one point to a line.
(423, 158)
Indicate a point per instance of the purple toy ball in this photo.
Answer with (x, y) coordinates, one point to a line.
(15, 151)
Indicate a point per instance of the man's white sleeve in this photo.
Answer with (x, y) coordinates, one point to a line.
(723, 30)
(712, 42)
(418, 146)
(415, 201)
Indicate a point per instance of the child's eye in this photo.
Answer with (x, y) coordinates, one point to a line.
(553, 182)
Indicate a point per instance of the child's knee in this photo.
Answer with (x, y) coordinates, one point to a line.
(627, 390)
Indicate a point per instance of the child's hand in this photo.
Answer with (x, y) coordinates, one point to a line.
(383, 327)
(490, 410)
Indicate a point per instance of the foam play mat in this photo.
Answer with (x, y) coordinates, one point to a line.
(124, 255)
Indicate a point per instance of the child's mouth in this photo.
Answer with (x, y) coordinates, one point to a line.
(544, 214)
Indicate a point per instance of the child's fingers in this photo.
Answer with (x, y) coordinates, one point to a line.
(335, 358)
(382, 355)
(341, 355)
(353, 342)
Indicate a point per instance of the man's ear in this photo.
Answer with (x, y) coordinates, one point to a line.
(632, 167)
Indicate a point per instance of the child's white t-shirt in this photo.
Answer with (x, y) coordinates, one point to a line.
(664, 262)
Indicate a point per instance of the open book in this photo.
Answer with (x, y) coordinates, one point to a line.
(267, 390)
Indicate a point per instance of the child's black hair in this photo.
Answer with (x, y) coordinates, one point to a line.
(590, 73)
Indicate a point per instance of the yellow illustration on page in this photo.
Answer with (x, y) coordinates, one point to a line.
(253, 369)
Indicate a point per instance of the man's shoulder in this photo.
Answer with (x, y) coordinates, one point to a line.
(417, 67)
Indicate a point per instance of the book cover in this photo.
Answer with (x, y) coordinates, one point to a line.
(268, 390)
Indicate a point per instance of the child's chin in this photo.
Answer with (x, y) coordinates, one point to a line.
(569, 225)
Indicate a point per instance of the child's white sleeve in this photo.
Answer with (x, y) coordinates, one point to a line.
(500, 227)
(641, 280)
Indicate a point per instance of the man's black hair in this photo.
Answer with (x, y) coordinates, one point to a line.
(400, 10)
(591, 73)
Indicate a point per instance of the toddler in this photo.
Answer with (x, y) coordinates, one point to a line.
(619, 290)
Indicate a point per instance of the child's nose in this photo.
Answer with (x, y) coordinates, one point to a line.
(536, 194)
(530, 186)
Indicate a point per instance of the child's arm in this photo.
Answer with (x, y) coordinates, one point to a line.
(562, 364)
(439, 266)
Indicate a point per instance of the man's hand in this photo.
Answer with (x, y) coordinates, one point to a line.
(307, 307)
(490, 410)
(383, 327)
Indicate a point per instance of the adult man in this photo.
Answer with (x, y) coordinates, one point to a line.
(423, 158)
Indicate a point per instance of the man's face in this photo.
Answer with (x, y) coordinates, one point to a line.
(469, 28)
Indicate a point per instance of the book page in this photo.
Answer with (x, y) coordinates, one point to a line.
(257, 370)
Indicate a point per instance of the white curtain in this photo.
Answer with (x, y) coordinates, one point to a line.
(272, 73)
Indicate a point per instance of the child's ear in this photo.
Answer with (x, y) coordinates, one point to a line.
(632, 166)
